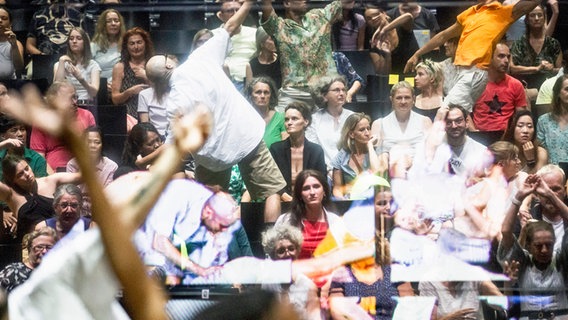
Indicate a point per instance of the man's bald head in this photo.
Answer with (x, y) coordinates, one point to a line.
(159, 68)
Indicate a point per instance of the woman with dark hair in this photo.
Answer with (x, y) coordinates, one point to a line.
(266, 62)
(521, 132)
(28, 197)
(79, 68)
(308, 211)
(141, 146)
(129, 75)
(536, 56)
(261, 92)
(551, 127)
(11, 50)
(356, 153)
(297, 153)
(105, 167)
(107, 41)
(349, 33)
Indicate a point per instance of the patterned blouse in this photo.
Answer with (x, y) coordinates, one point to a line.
(128, 81)
(524, 55)
(14, 275)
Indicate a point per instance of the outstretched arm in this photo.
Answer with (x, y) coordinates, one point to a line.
(528, 187)
(267, 9)
(238, 18)
(438, 40)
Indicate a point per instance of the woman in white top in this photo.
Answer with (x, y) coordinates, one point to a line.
(107, 41)
(78, 67)
(402, 129)
(11, 50)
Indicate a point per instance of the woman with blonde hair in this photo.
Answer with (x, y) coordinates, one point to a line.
(429, 80)
(107, 41)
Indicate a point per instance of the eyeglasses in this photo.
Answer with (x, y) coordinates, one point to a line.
(41, 247)
(73, 205)
(283, 250)
(457, 121)
(337, 90)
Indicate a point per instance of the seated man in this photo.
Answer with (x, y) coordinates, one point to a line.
(37, 243)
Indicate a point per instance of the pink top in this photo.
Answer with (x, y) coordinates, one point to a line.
(313, 233)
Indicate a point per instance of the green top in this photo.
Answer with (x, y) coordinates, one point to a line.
(274, 129)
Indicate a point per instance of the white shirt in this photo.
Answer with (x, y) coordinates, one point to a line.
(156, 111)
(237, 126)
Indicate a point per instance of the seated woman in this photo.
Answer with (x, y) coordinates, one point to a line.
(29, 197)
(429, 80)
(284, 242)
(107, 41)
(68, 221)
(325, 129)
(402, 129)
(37, 244)
(261, 93)
(357, 153)
(521, 132)
(78, 67)
(372, 288)
(542, 270)
(140, 149)
(550, 126)
(296, 153)
(12, 50)
(308, 211)
(266, 62)
(105, 167)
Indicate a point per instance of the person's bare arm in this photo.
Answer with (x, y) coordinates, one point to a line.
(117, 78)
(16, 52)
(488, 288)
(524, 7)
(438, 40)
(238, 18)
(31, 46)
(403, 20)
(143, 117)
(337, 183)
(164, 246)
(267, 9)
(553, 18)
(528, 187)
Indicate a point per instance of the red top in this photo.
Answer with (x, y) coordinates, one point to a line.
(313, 233)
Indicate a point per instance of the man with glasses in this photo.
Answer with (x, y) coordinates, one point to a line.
(38, 244)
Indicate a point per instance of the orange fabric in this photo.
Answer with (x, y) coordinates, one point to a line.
(483, 27)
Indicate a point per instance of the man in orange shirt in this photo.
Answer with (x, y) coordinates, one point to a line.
(479, 29)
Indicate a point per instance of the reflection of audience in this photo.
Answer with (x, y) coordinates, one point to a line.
(308, 211)
(370, 284)
(297, 153)
(37, 243)
(284, 242)
(541, 270)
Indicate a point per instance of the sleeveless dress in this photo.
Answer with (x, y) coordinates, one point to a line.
(36, 209)
(128, 81)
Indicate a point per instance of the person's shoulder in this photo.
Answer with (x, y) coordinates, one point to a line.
(109, 162)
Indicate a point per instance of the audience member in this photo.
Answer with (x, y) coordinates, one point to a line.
(424, 18)
(195, 228)
(104, 167)
(201, 79)
(309, 212)
(68, 222)
(549, 128)
(152, 101)
(200, 38)
(502, 96)
(141, 148)
(356, 154)
(262, 95)
(327, 122)
(243, 44)
(51, 148)
(348, 33)
(374, 292)
(28, 197)
(401, 130)
(129, 75)
(521, 132)
(304, 45)
(544, 98)
(541, 269)
(50, 26)
(297, 153)
(265, 62)
(37, 243)
(429, 80)
(285, 242)
(479, 28)
(78, 67)
(11, 49)
(403, 22)
(107, 42)
(536, 56)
